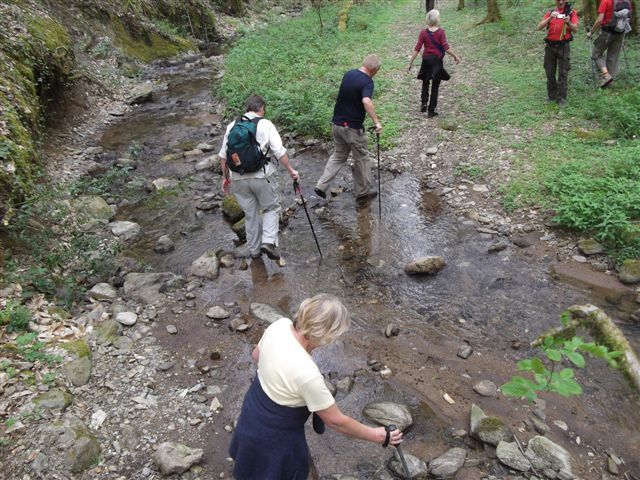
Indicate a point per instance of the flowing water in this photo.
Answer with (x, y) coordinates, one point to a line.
(497, 302)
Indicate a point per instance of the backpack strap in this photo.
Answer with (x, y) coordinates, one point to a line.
(255, 121)
(435, 42)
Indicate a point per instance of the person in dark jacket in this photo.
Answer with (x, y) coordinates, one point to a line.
(269, 441)
(433, 43)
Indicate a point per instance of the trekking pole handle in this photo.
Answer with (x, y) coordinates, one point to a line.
(296, 186)
(388, 429)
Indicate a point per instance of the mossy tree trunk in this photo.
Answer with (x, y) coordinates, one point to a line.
(493, 12)
(460, 4)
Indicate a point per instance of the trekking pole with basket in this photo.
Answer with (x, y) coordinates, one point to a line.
(298, 190)
(373, 129)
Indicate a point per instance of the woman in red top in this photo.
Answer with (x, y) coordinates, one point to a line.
(561, 23)
(433, 43)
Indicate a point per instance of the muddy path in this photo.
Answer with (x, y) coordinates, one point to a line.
(497, 302)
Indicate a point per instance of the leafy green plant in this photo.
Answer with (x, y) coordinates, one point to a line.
(31, 349)
(15, 316)
(10, 422)
(548, 372)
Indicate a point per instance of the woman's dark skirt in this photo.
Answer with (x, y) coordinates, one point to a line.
(269, 441)
(432, 68)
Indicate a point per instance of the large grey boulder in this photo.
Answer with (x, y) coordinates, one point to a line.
(388, 413)
(544, 454)
(78, 371)
(83, 452)
(147, 288)
(164, 244)
(232, 209)
(125, 230)
(590, 247)
(141, 94)
(91, 207)
(172, 457)
(54, 399)
(206, 266)
(509, 454)
(102, 291)
(417, 468)
(265, 312)
(446, 465)
(425, 266)
(487, 429)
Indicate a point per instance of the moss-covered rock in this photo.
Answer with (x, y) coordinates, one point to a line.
(53, 400)
(239, 229)
(231, 209)
(630, 271)
(79, 348)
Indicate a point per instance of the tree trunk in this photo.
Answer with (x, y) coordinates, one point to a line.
(588, 12)
(493, 12)
(460, 4)
(634, 17)
(429, 4)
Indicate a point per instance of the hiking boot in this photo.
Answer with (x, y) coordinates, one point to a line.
(320, 193)
(367, 196)
(423, 108)
(270, 250)
(432, 114)
(606, 80)
(562, 102)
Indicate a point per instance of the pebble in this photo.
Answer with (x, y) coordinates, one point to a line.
(561, 425)
(172, 329)
(386, 373)
(465, 351)
(127, 318)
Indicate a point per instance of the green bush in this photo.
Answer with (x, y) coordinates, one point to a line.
(15, 316)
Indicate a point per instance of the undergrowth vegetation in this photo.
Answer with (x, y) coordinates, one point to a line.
(298, 68)
(579, 163)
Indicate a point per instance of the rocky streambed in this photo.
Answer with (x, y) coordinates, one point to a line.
(156, 361)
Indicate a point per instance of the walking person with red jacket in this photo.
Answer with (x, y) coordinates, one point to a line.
(561, 23)
(433, 43)
(614, 19)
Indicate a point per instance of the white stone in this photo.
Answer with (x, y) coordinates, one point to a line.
(127, 318)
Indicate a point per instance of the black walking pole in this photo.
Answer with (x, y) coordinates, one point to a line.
(379, 191)
(296, 188)
(389, 429)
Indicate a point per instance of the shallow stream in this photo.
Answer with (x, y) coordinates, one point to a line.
(496, 302)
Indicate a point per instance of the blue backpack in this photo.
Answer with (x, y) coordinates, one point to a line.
(244, 154)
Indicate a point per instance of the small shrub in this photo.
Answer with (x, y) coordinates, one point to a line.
(16, 317)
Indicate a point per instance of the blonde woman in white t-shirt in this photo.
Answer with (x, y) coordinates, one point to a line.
(269, 441)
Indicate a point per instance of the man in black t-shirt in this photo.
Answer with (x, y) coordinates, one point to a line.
(354, 101)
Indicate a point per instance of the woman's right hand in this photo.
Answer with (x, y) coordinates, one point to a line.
(395, 437)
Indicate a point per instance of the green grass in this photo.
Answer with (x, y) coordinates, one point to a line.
(581, 162)
(298, 69)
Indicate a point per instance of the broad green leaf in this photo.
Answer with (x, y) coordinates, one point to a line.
(548, 341)
(576, 358)
(554, 355)
(615, 354)
(537, 366)
(565, 318)
(566, 373)
(568, 387)
(516, 387)
(525, 365)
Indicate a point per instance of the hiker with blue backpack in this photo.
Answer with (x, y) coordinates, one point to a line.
(433, 43)
(248, 169)
(614, 21)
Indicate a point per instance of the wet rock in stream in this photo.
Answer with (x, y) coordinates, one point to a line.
(425, 265)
